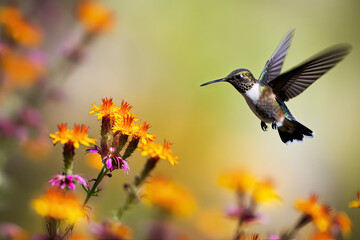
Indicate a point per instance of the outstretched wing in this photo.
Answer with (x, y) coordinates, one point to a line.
(292, 83)
(274, 64)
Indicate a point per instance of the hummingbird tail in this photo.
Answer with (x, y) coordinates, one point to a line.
(293, 131)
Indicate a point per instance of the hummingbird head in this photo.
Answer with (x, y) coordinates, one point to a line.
(242, 79)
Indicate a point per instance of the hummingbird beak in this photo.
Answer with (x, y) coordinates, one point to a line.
(219, 80)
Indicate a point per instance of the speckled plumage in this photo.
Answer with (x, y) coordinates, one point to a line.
(266, 96)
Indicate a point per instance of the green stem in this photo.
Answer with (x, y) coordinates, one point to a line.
(90, 193)
(132, 197)
(100, 177)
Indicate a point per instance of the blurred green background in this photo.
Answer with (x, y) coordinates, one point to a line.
(156, 57)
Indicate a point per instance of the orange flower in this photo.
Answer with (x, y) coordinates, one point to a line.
(77, 136)
(94, 16)
(21, 31)
(142, 134)
(342, 222)
(158, 151)
(107, 108)
(21, 70)
(59, 205)
(356, 203)
(319, 213)
(62, 136)
(125, 126)
(166, 194)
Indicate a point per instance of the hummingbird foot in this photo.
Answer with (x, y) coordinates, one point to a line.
(264, 127)
(274, 126)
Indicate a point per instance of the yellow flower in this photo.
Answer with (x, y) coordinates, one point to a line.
(158, 151)
(319, 213)
(141, 133)
(58, 205)
(170, 196)
(237, 180)
(356, 203)
(24, 33)
(264, 192)
(77, 136)
(21, 70)
(62, 136)
(107, 108)
(125, 126)
(94, 16)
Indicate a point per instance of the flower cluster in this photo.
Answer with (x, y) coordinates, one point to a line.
(118, 124)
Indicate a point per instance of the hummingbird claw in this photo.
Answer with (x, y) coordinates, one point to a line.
(264, 127)
(274, 126)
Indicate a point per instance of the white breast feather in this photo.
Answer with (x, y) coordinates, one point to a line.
(254, 93)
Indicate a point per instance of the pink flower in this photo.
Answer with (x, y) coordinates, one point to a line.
(67, 181)
(111, 160)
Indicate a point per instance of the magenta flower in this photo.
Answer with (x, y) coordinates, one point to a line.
(111, 160)
(247, 215)
(67, 181)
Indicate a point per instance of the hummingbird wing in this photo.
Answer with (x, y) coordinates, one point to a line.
(292, 83)
(274, 64)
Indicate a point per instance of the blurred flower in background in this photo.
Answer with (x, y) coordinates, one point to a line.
(168, 196)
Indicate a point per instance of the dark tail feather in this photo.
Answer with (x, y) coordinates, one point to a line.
(293, 131)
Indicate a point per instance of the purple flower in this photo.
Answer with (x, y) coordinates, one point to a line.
(111, 160)
(245, 214)
(67, 181)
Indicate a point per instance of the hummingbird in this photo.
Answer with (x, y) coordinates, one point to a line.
(266, 96)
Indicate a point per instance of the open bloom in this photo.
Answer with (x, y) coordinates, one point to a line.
(79, 136)
(58, 205)
(170, 196)
(158, 151)
(94, 16)
(107, 109)
(63, 181)
(142, 134)
(76, 136)
(319, 214)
